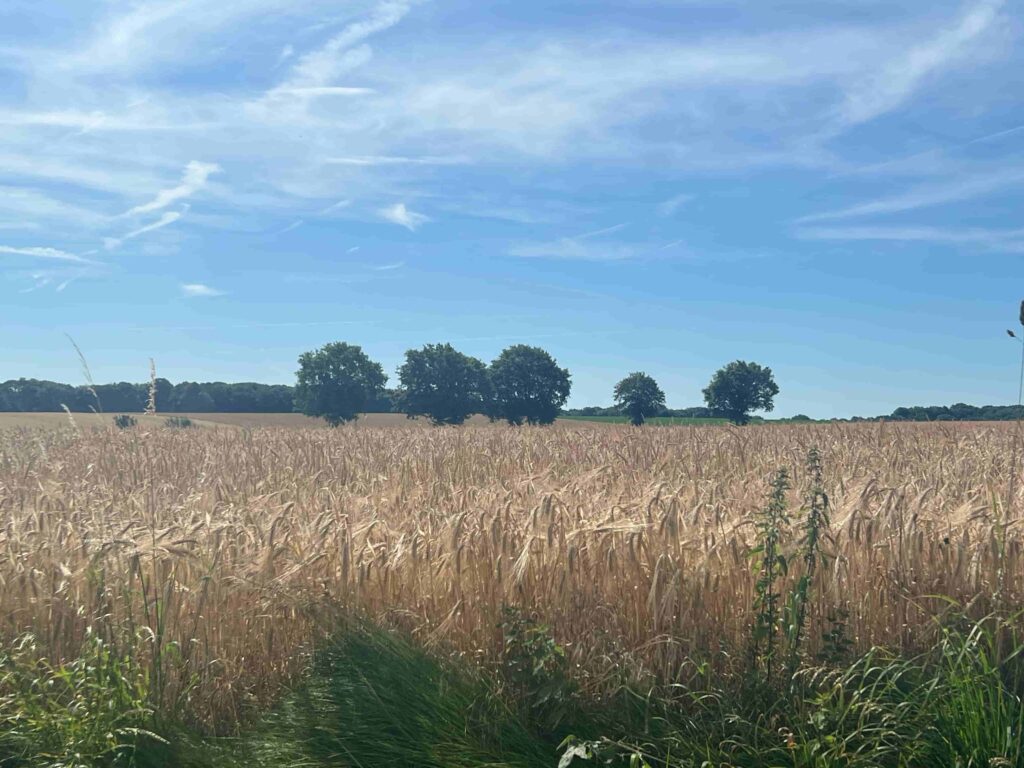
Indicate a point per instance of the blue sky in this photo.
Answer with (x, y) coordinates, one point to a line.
(832, 188)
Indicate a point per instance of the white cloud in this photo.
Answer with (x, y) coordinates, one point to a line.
(403, 217)
(570, 249)
(286, 53)
(37, 252)
(198, 290)
(1005, 240)
(385, 160)
(891, 85)
(322, 66)
(336, 207)
(193, 179)
(390, 267)
(925, 196)
(83, 172)
(335, 117)
(294, 225)
(670, 206)
(168, 218)
(590, 246)
(154, 32)
(27, 204)
(322, 90)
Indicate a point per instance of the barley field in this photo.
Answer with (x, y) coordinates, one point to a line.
(220, 559)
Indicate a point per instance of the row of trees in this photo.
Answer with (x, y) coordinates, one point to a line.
(339, 381)
(522, 385)
(185, 397)
(734, 392)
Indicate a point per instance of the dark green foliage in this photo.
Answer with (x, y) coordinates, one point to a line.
(190, 397)
(835, 641)
(178, 422)
(39, 396)
(958, 412)
(124, 421)
(527, 386)
(771, 564)
(535, 670)
(814, 528)
(337, 382)
(739, 388)
(639, 397)
(443, 384)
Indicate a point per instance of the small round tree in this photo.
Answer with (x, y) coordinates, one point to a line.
(336, 382)
(443, 384)
(639, 396)
(527, 385)
(739, 388)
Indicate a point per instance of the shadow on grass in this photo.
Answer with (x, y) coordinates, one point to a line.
(372, 700)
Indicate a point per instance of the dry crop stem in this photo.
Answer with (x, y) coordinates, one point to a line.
(219, 558)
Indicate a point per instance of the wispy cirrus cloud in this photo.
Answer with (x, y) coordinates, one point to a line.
(43, 252)
(376, 160)
(199, 291)
(193, 179)
(673, 204)
(1005, 240)
(334, 207)
(895, 81)
(110, 243)
(403, 217)
(314, 73)
(575, 250)
(507, 129)
(585, 247)
(926, 195)
(294, 225)
(322, 66)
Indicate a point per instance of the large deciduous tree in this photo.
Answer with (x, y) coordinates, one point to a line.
(639, 396)
(739, 388)
(336, 382)
(527, 385)
(443, 384)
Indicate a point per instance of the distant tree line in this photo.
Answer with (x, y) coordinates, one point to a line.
(185, 397)
(697, 412)
(957, 412)
(523, 385)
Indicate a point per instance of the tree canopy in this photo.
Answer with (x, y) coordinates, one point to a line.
(639, 396)
(185, 397)
(739, 388)
(337, 382)
(443, 384)
(527, 386)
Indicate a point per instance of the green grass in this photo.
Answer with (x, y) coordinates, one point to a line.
(375, 699)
